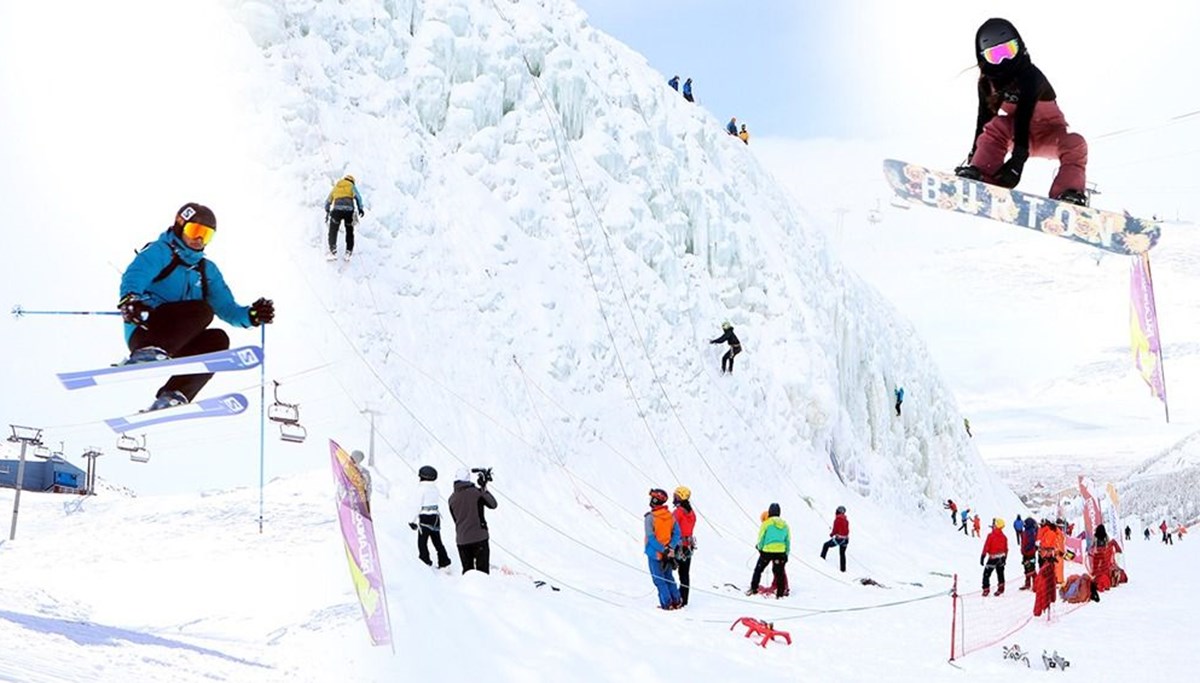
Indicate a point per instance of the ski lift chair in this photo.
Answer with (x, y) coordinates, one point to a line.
(136, 449)
(42, 452)
(288, 417)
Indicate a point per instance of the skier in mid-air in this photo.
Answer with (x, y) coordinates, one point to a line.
(1018, 111)
(169, 295)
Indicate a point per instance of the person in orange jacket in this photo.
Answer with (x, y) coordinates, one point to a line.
(1060, 545)
(1044, 586)
(661, 539)
(993, 557)
(975, 526)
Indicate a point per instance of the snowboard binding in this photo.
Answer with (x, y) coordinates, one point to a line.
(1014, 653)
(1054, 661)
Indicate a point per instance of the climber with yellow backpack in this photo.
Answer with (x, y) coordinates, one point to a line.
(340, 206)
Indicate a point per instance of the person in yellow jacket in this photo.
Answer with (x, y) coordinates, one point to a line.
(774, 544)
(744, 134)
(340, 206)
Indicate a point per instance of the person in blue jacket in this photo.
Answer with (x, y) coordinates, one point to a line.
(899, 398)
(674, 83)
(1018, 527)
(169, 295)
(687, 90)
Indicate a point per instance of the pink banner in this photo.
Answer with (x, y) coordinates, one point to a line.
(1091, 511)
(358, 533)
(1143, 327)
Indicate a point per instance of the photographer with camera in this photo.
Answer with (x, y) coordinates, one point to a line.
(466, 507)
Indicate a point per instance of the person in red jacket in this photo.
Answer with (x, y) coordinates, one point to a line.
(949, 505)
(839, 536)
(993, 557)
(685, 517)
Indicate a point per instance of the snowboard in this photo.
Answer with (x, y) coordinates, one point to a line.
(229, 404)
(241, 358)
(1119, 233)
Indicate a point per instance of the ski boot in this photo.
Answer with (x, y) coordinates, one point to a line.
(346, 256)
(1073, 197)
(986, 591)
(1054, 661)
(1000, 590)
(146, 354)
(969, 172)
(167, 399)
(331, 256)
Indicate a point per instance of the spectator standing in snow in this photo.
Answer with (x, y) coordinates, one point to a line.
(1166, 536)
(899, 399)
(471, 529)
(1146, 534)
(1018, 528)
(949, 505)
(735, 347)
(744, 134)
(685, 518)
(1029, 552)
(731, 127)
(661, 539)
(993, 557)
(838, 536)
(1128, 532)
(674, 83)
(774, 544)
(687, 90)
(427, 519)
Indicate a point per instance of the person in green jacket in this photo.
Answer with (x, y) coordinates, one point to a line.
(774, 544)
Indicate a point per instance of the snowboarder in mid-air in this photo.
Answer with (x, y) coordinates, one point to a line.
(1031, 124)
(169, 295)
(735, 347)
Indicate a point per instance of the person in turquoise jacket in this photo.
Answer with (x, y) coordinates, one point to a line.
(774, 544)
(169, 295)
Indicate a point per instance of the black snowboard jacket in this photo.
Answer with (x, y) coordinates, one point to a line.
(1015, 81)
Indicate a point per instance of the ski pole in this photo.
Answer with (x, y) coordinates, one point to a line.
(17, 312)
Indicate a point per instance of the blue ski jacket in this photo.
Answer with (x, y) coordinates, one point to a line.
(687, 87)
(192, 278)
(900, 394)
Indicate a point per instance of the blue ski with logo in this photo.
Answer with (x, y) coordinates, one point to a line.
(241, 358)
(229, 404)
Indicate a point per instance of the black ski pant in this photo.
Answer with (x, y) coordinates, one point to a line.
(727, 359)
(841, 544)
(429, 529)
(181, 329)
(685, 577)
(996, 564)
(778, 562)
(475, 556)
(337, 218)
(898, 407)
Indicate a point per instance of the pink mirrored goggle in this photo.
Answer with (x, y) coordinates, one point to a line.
(998, 53)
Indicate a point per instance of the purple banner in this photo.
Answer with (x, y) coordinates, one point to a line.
(358, 533)
(1143, 327)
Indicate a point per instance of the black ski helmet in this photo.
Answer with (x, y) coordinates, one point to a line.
(993, 32)
(427, 473)
(841, 510)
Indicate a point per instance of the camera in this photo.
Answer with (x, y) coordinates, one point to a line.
(483, 475)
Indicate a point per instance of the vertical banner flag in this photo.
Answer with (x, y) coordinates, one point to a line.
(1091, 511)
(1143, 327)
(358, 532)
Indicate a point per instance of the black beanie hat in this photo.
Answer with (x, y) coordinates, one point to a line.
(195, 213)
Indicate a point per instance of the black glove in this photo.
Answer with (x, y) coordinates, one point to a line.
(134, 310)
(1010, 173)
(360, 213)
(412, 525)
(262, 312)
(981, 560)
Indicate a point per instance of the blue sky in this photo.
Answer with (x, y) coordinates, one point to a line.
(765, 62)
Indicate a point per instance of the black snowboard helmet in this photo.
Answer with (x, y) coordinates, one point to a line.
(427, 473)
(993, 33)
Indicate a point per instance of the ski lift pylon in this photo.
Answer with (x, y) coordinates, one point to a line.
(288, 417)
(135, 448)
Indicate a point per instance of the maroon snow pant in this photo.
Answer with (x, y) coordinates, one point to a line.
(181, 329)
(1048, 138)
